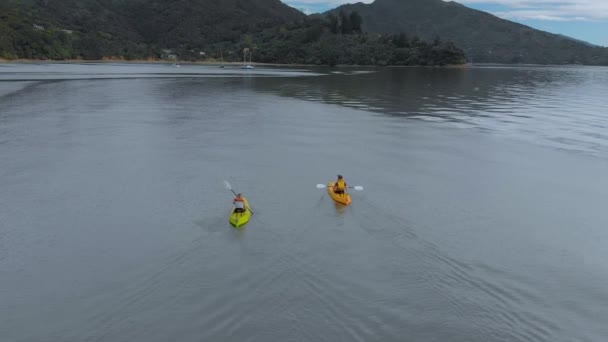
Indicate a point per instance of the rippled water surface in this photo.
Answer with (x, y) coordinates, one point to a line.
(483, 216)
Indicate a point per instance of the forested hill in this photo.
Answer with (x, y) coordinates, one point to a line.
(130, 28)
(203, 30)
(484, 37)
(200, 29)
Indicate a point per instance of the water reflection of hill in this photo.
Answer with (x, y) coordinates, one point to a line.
(561, 104)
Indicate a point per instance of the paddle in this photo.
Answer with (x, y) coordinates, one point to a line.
(229, 187)
(358, 187)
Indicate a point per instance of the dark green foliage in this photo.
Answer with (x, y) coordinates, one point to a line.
(333, 23)
(132, 29)
(25, 33)
(356, 21)
(484, 37)
(345, 22)
(401, 40)
(141, 29)
(299, 45)
(345, 25)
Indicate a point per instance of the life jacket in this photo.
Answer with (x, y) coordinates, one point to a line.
(341, 185)
(239, 203)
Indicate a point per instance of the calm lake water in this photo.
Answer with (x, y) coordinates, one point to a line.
(484, 216)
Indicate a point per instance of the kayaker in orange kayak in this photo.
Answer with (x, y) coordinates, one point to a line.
(340, 186)
(239, 204)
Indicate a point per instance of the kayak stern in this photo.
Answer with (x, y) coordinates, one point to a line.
(240, 219)
(343, 199)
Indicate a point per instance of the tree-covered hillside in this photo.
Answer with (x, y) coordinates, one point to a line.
(203, 29)
(484, 37)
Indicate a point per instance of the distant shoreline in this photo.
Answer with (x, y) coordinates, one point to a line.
(109, 61)
(154, 61)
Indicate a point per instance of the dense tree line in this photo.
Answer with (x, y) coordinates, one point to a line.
(323, 41)
(92, 30)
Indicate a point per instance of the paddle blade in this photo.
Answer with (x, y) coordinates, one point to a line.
(358, 188)
(321, 186)
(227, 185)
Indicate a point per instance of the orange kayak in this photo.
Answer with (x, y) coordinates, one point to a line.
(340, 198)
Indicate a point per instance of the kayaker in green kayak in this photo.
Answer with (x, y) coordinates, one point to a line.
(239, 204)
(340, 186)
